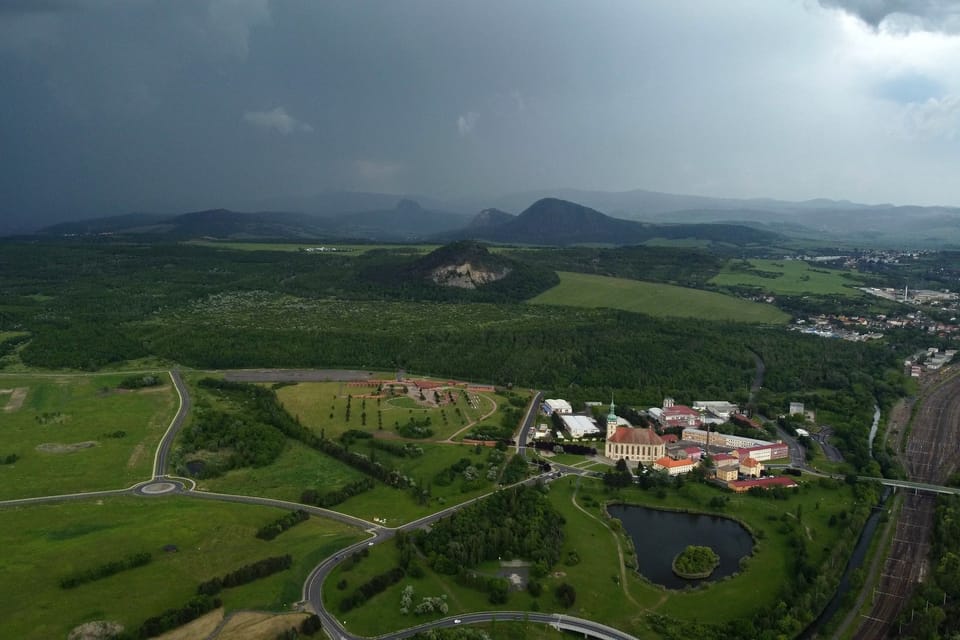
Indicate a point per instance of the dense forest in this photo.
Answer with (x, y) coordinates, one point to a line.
(515, 523)
(87, 305)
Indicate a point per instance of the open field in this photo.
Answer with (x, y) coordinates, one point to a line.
(341, 249)
(80, 433)
(600, 596)
(44, 542)
(299, 467)
(787, 277)
(661, 300)
(322, 406)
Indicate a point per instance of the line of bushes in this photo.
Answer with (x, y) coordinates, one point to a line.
(332, 498)
(281, 524)
(139, 382)
(105, 570)
(245, 574)
(370, 588)
(405, 450)
(10, 459)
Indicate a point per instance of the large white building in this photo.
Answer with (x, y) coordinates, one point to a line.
(630, 443)
(556, 405)
(579, 426)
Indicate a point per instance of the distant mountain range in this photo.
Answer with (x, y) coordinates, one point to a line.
(556, 217)
(548, 221)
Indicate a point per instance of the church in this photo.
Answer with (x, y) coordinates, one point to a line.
(631, 444)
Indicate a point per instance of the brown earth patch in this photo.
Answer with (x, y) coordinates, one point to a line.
(56, 447)
(135, 455)
(202, 627)
(96, 630)
(17, 396)
(249, 625)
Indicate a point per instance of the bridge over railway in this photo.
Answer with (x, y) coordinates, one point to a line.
(916, 486)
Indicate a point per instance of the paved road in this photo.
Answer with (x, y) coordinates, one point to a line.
(528, 423)
(161, 459)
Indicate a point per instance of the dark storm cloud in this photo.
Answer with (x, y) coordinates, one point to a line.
(118, 105)
(930, 15)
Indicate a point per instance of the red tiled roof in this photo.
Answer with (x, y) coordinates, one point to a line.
(669, 437)
(629, 435)
(772, 481)
(724, 457)
(749, 462)
(669, 463)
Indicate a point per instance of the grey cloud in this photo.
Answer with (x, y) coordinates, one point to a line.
(906, 15)
(231, 22)
(467, 123)
(277, 120)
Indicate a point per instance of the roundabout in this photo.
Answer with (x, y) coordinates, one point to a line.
(158, 488)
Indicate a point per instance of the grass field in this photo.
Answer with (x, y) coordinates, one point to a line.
(322, 406)
(69, 410)
(341, 249)
(299, 468)
(661, 300)
(600, 595)
(787, 277)
(42, 543)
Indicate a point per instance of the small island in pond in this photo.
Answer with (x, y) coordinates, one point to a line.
(695, 563)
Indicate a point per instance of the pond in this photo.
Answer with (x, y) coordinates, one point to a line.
(658, 536)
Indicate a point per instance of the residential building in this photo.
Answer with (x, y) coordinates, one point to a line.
(673, 466)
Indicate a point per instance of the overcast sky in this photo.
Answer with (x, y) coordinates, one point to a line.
(111, 106)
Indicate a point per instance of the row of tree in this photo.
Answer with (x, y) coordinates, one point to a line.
(246, 574)
(281, 524)
(106, 570)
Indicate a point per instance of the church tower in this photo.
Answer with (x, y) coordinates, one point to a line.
(611, 421)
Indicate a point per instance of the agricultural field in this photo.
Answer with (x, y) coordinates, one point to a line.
(73, 433)
(789, 277)
(660, 300)
(596, 576)
(43, 543)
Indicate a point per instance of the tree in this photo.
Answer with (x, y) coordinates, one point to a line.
(566, 595)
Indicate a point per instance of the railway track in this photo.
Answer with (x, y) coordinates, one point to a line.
(930, 455)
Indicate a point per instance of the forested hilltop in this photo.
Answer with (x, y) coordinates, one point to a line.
(92, 305)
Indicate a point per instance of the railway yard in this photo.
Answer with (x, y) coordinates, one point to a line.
(930, 455)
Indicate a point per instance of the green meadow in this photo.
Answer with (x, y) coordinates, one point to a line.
(789, 277)
(661, 300)
(601, 595)
(43, 543)
(77, 433)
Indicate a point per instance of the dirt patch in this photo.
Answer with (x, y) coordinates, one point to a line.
(96, 630)
(17, 396)
(135, 456)
(247, 625)
(56, 447)
(202, 627)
